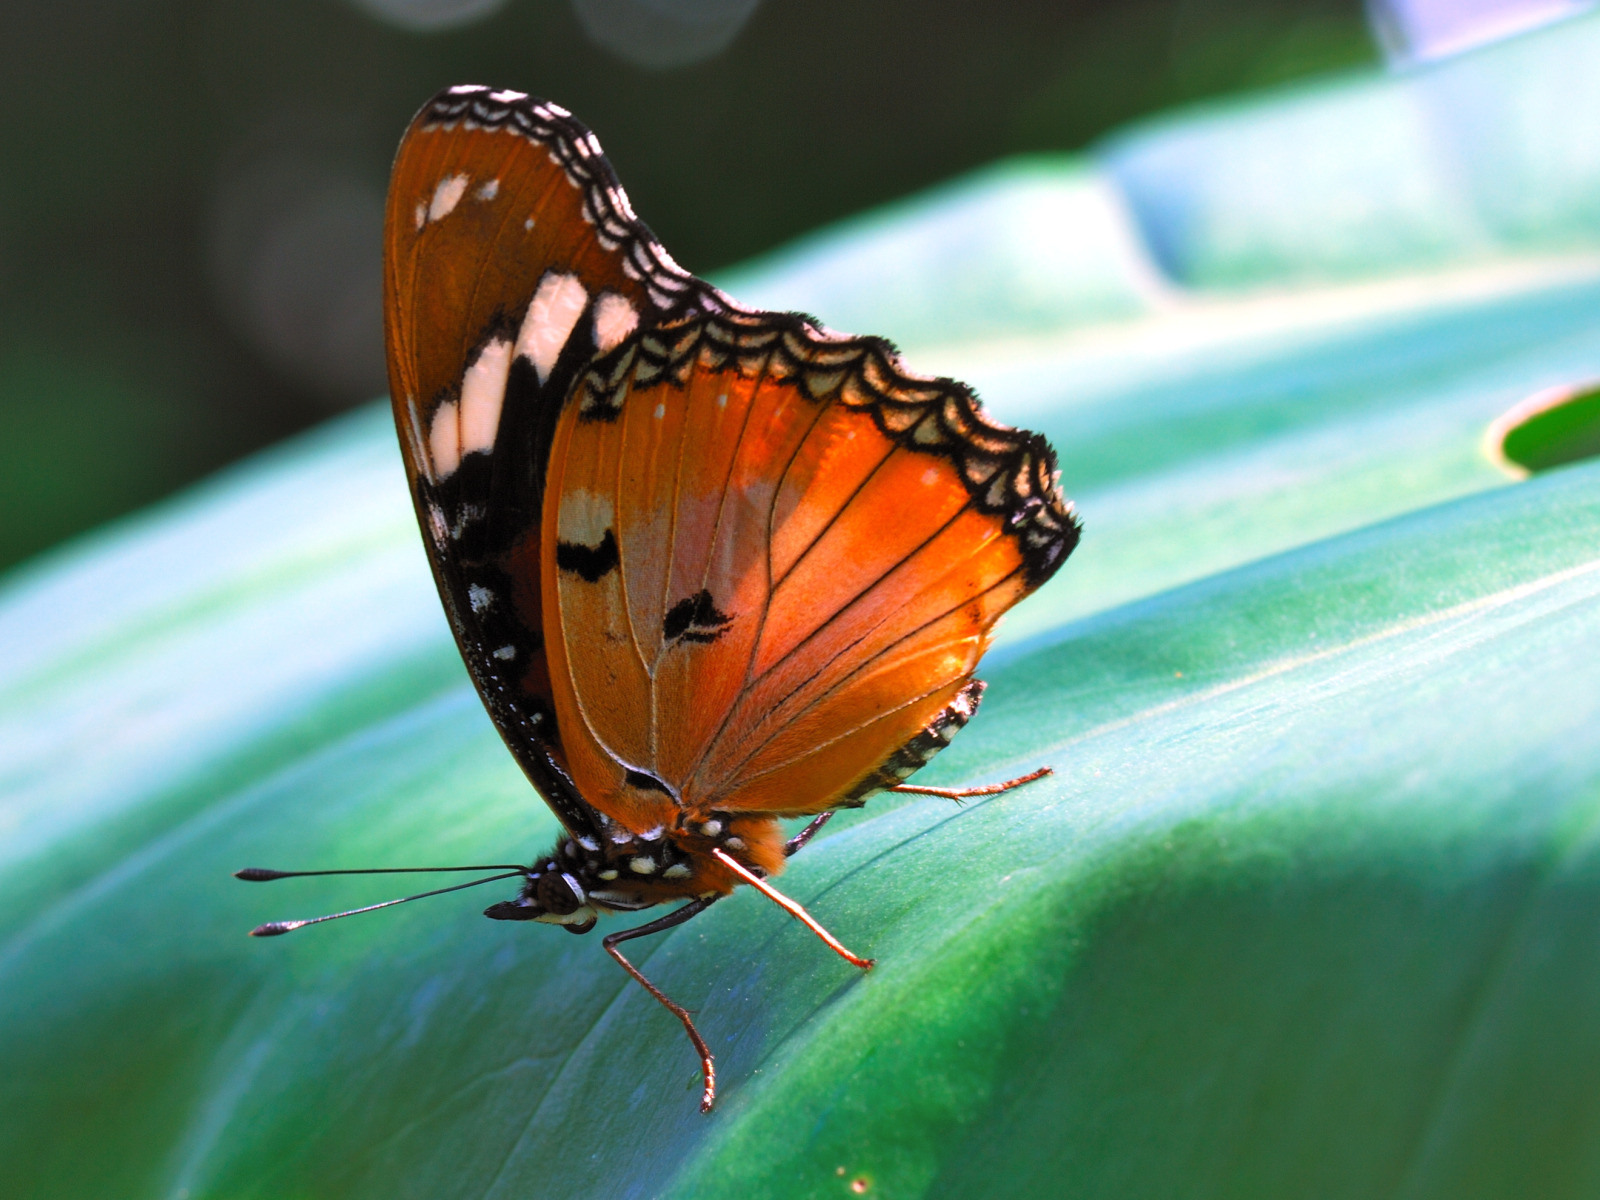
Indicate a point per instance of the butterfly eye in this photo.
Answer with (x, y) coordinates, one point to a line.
(559, 893)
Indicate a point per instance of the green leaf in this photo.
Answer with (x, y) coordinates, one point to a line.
(1308, 908)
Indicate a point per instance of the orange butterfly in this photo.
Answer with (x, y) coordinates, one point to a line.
(708, 567)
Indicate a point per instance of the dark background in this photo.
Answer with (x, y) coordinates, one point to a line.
(191, 197)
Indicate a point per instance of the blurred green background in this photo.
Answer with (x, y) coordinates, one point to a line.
(191, 201)
(1309, 907)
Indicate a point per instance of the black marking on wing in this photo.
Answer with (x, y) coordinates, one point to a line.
(647, 782)
(589, 563)
(695, 619)
(526, 721)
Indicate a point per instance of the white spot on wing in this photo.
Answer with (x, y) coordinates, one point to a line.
(506, 653)
(614, 319)
(421, 214)
(446, 196)
(483, 391)
(553, 311)
(528, 224)
(479, 597)
(465, 89)
(488, 191)
(444, 441)
(508, 96)
(584, 517)
(677, 871)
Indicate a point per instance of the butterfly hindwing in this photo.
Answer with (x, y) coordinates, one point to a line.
(795, 554)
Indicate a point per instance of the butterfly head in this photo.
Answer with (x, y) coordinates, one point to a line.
(586, 876)
(554, 892)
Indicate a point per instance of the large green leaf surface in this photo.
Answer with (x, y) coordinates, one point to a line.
(1310, 907)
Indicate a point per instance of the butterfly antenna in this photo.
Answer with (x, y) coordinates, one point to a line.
(792, 907)
(276, 928)
(267, 874)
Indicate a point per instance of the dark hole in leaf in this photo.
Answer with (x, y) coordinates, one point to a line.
(1549, 429)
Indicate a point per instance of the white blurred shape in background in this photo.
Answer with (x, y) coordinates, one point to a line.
(664, 33)
(1420, 30)
(423, 16)
(296, 259)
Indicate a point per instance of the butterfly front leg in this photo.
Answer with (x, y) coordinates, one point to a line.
(677, 917)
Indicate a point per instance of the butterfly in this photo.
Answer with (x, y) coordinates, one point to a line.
(708, 567)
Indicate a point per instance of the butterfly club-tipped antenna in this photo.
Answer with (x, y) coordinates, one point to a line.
(278, 928)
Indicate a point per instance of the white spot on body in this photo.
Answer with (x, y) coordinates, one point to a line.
(488, 191)
(479, 597)
(584, 517)
(444, 441)
(614, 319)
(483, 391)
(581, 917)
(608, 873)
(642, 865)
(553, 311)
(711, 828)
(446, 196)
(733, 843)
(588, 844)
(650, 835)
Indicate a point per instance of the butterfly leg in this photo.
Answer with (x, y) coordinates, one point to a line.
(798, 842)
(792, 907)
(992, 789)
(677, 917)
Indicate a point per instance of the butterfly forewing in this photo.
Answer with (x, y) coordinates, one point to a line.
(511, 258)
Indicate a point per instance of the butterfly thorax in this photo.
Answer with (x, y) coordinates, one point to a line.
(621, 870)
